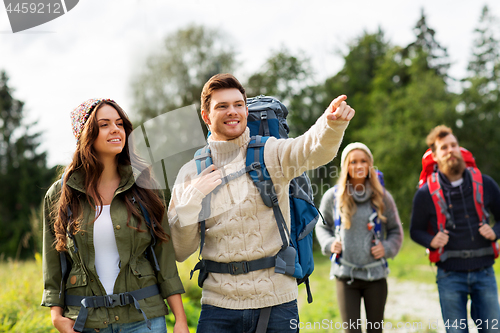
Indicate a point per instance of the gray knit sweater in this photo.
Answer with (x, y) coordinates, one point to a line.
(357, 240)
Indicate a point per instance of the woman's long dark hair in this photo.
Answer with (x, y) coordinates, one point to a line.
(85, 159)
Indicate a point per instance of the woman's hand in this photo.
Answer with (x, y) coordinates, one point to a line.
(181, 327)
(378, 251)
(175, 303)
(208, 180)
(336, 247)
(61, 323)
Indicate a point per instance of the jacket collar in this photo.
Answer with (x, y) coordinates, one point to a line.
(465, 186)
(77, 179)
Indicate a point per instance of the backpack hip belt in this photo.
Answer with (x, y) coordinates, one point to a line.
(239, 267)
(109, 301)
(354, 266)
(465, 254)
(380, 262)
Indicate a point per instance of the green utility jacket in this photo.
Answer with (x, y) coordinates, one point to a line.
(136, 271)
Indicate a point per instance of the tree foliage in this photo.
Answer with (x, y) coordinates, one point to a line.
(174, 75)
(426, 42)
(283, 76)
(24, 177)
(409, 96)
(479, 109)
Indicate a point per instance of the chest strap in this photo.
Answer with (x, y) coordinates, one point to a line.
(464, 254)
(109, 301)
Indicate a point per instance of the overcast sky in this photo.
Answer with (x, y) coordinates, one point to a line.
(95, 49)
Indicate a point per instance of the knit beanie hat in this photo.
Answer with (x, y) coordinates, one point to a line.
(352, 146)
(82, 112)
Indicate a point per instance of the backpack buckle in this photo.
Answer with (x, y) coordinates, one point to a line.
(237, 268)
(263, 115)
(255, 165)
(464, 254)
(114, 300)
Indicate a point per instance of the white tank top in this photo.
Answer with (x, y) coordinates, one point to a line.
(107, 258)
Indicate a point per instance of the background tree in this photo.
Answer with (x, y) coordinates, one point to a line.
(437, 56)
(24, 177)
(174, 76)
(289, 77)
(409, 96)
(283, 76)
(479, 109)
(355, 80)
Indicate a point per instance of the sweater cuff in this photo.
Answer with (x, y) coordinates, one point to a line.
(337, 124)
(388, 252)
(188, 210)
(327, 249)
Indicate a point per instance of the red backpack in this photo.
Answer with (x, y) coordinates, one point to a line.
(429, 174)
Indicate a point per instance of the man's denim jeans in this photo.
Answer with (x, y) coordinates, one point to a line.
(454, 289)
(219, 320)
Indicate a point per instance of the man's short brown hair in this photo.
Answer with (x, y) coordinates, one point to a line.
(437, 132)
(216, 82)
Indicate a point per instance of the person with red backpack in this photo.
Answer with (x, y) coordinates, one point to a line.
(450, 218)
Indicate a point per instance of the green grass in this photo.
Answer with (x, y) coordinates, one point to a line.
(21, 294)
(412, 263)
(21, 289)
(20, 297)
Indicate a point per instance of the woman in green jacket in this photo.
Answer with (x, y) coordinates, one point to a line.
(108, 262)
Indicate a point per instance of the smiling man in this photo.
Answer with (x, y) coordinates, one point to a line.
(241, 228)
(466, 254)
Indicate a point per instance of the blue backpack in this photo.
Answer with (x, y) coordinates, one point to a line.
(267, 117)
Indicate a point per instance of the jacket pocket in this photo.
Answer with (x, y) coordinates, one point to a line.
(76, 284)
(142, 268)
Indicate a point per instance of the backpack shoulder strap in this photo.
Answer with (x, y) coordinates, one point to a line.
(477, 185)
(437, 195)
(151, 226)
(203, 158)
(65, 264)
(336, 217)
(261, 178)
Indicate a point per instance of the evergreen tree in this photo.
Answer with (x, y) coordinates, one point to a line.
(355, 80)
(410, 96)
(24, 177)
(479, 110)
(437, 55)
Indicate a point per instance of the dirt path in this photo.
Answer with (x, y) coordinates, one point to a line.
(415, 306)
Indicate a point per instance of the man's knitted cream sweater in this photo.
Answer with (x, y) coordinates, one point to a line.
(241, 227)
